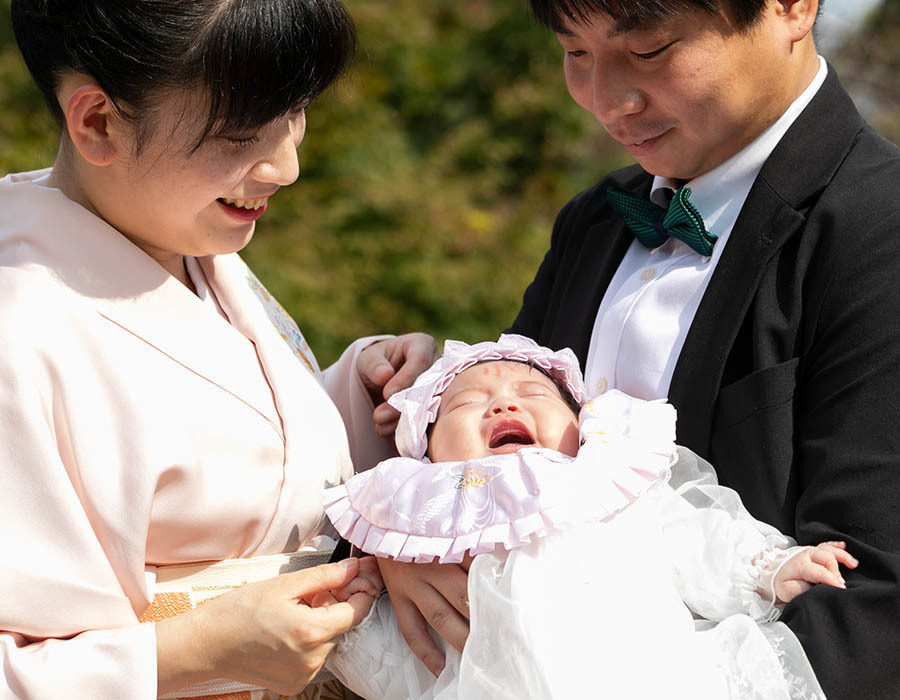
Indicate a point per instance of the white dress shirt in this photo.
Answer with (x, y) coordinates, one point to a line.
(652, 299)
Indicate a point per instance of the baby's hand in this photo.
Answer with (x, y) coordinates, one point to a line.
(818, 564)
(367, 581)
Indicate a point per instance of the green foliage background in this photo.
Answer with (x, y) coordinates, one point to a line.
(430, 176)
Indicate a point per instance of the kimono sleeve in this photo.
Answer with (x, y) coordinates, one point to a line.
(346, 389)
(67, 627)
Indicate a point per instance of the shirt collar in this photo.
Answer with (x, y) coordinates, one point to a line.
(720, 193)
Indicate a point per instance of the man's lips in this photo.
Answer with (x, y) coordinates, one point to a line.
(509, 435)
(643, 145)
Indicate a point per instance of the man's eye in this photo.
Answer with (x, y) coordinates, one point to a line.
(575, 54)
(646, 56)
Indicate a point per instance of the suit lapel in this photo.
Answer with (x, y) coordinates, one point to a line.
(773, 212)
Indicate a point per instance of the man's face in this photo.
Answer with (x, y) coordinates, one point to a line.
(689, 93)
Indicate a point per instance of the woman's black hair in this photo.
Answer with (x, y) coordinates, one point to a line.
(252, 60)
(631, 14)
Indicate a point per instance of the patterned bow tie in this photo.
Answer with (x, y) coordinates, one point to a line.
(652, 224)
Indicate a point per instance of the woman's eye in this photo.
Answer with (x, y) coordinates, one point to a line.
(243, 142)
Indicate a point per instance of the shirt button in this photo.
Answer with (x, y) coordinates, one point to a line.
(648, 274)
(601, 386)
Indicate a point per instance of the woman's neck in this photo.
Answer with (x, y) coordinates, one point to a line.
(65, 177)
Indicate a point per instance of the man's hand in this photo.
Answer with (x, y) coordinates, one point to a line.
(388, 366)
(426, 595)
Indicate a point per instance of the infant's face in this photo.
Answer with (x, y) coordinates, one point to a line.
(498, 408)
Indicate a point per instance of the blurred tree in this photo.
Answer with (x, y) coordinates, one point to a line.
(430, 176)
(27, 135)
(869, 64)
(429, 180)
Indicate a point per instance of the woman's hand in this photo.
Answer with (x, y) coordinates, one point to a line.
(264, 634)
(429, 594)
(388, 366)
(820, 564)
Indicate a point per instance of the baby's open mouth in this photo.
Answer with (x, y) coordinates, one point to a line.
(512, 433)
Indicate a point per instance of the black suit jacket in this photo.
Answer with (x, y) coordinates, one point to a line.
(789, 379)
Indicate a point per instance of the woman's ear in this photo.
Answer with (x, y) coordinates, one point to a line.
(92, 123)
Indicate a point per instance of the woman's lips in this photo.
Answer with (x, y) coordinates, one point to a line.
(244, 210)
(509, 435)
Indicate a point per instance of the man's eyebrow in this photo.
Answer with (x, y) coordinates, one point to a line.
(616, 30)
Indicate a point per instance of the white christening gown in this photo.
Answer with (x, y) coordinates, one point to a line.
(624, 572)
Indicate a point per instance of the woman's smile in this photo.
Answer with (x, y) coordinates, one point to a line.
(244, 210)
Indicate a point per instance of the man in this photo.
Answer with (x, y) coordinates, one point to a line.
(773, 327)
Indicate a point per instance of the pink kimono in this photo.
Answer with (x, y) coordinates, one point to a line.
(140, 428)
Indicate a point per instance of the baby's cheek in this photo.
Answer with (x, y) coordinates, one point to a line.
(570, 441)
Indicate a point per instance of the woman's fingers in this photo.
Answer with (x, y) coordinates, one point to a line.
(412, 354)
(387, 366)
(264, 633)
(304, 584)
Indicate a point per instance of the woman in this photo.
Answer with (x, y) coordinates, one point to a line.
(157, 407)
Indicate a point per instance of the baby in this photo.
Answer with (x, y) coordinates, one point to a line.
(498, 461)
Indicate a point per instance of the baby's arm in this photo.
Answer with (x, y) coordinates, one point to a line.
(813, 565)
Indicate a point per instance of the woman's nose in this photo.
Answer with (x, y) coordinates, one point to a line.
(281, 166)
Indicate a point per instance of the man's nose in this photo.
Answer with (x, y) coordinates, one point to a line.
(614, 96)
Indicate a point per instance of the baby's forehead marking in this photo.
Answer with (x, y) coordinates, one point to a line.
(492, 368)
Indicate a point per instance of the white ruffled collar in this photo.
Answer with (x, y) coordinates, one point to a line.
(419, 511)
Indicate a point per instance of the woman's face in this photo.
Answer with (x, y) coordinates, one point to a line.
(499, 408)
(172, 201)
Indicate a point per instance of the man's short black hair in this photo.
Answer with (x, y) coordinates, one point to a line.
(631, 14)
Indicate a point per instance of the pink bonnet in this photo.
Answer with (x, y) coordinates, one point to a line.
(418, 405)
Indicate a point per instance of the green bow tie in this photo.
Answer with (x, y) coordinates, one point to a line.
(652, 224)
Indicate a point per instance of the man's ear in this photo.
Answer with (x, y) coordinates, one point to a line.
(800, 16)
(92, 123)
